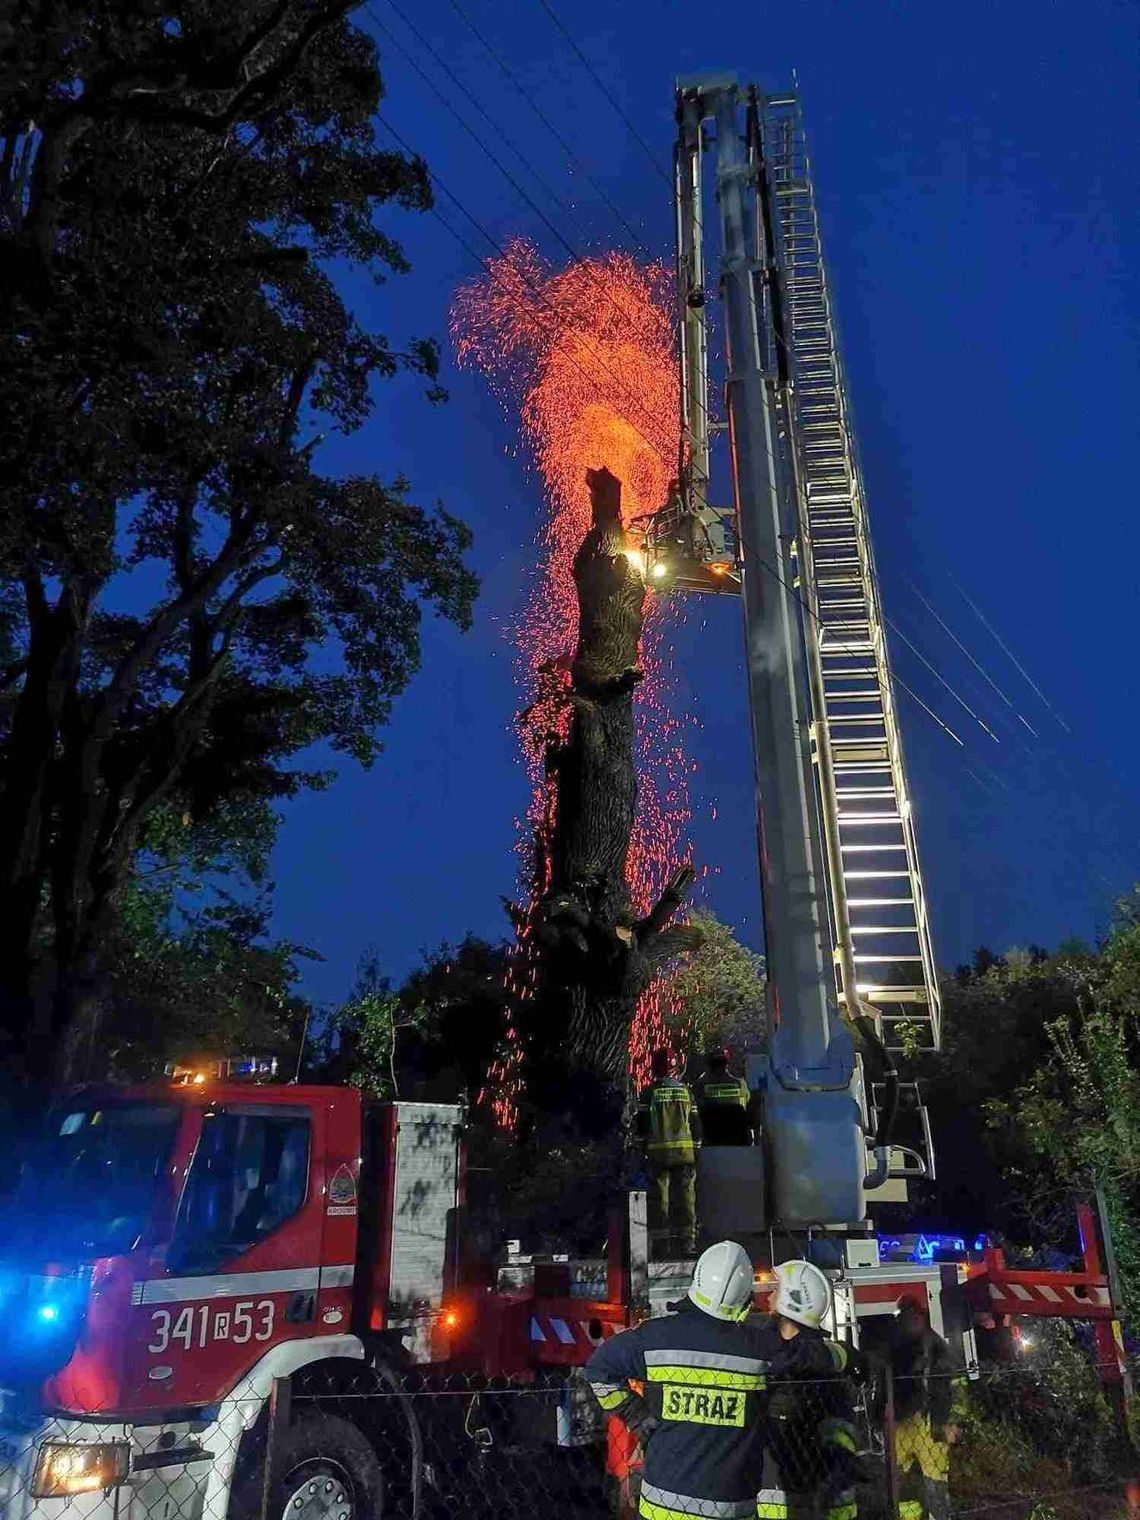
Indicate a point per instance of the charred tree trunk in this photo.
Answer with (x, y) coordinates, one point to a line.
(596, 956)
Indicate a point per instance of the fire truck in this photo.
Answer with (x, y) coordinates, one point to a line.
(182, 1261)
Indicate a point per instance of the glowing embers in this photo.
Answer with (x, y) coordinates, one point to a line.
(586, 356)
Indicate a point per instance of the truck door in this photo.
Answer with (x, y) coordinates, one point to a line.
(242, 1268)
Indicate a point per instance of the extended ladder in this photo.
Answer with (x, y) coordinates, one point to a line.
(880, 892)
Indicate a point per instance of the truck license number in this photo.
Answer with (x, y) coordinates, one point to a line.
(246, 1321)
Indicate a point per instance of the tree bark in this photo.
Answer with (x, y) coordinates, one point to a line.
(594, 955)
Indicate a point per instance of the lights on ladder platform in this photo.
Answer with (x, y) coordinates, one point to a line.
(689, 548)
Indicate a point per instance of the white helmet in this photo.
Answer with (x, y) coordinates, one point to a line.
(722, 1281)
(803, 1293)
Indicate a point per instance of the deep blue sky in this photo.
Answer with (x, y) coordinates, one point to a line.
(978, 177)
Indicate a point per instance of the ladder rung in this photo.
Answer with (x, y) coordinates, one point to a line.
(887, 960)
(866, 820)
(870, 849)
(911, 929)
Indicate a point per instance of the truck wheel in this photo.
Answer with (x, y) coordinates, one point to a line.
(325, 1470)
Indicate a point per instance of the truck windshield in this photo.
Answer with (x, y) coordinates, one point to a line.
(88, 1182)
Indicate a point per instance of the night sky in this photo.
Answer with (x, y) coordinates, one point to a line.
(978, 177)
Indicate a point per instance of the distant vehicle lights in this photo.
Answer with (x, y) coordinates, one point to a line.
(928, 1248)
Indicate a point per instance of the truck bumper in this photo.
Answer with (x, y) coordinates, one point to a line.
(176, 1471)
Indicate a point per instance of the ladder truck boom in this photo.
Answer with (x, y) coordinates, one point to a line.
(825, 739)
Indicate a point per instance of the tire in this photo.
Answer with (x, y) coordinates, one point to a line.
(325, 1469)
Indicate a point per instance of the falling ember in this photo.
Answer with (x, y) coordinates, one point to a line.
(586, 353)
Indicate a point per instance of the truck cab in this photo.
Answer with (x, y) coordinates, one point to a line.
(171, 1251)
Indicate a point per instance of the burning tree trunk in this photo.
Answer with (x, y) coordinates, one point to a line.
(596, 954)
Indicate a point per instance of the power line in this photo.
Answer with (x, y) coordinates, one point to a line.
(551, 128)
(465, 93)
(1070, 785)
(534, 289)
(607, 92)
(894, 627)
(1008, 652)
(978, 666)
(518, 188)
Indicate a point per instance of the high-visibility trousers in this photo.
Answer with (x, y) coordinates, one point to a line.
(673, 1206)
(787, 1504)
(923, 1466)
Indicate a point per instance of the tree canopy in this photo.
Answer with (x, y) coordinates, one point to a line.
(187, 603)
(1035, 1098)
(718, 993)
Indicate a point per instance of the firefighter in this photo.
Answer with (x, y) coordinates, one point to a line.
(669, 1125)
(725, 1104)
(810, 1466)
(703, 1375)
(924, 1396)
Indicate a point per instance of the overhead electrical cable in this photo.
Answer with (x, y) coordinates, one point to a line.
(523, 195)
(918, 654)
(560, 324)
(552, 129)
(607, 92)
(466, 95)
(520, 190)
(1007, 651)
(1043, 747)
(978, 666)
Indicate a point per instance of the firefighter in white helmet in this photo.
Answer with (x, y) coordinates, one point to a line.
(703, 1375)
(810, 1446)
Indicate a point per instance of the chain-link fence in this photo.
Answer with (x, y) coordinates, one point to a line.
(1017, 1442)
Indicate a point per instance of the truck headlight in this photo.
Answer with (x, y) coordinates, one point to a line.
(79, 1467)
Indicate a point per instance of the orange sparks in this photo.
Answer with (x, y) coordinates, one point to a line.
(587, 354)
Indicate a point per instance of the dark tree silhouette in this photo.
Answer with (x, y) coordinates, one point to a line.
(171, 560)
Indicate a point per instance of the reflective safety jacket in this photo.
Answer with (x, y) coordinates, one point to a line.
(725, 1104)
(702, 1414)
(668, 1122)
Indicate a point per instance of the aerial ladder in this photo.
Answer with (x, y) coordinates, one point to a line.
(847, 939)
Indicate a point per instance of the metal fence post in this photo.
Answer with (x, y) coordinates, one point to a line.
(889, 1438)
(277, 1418)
